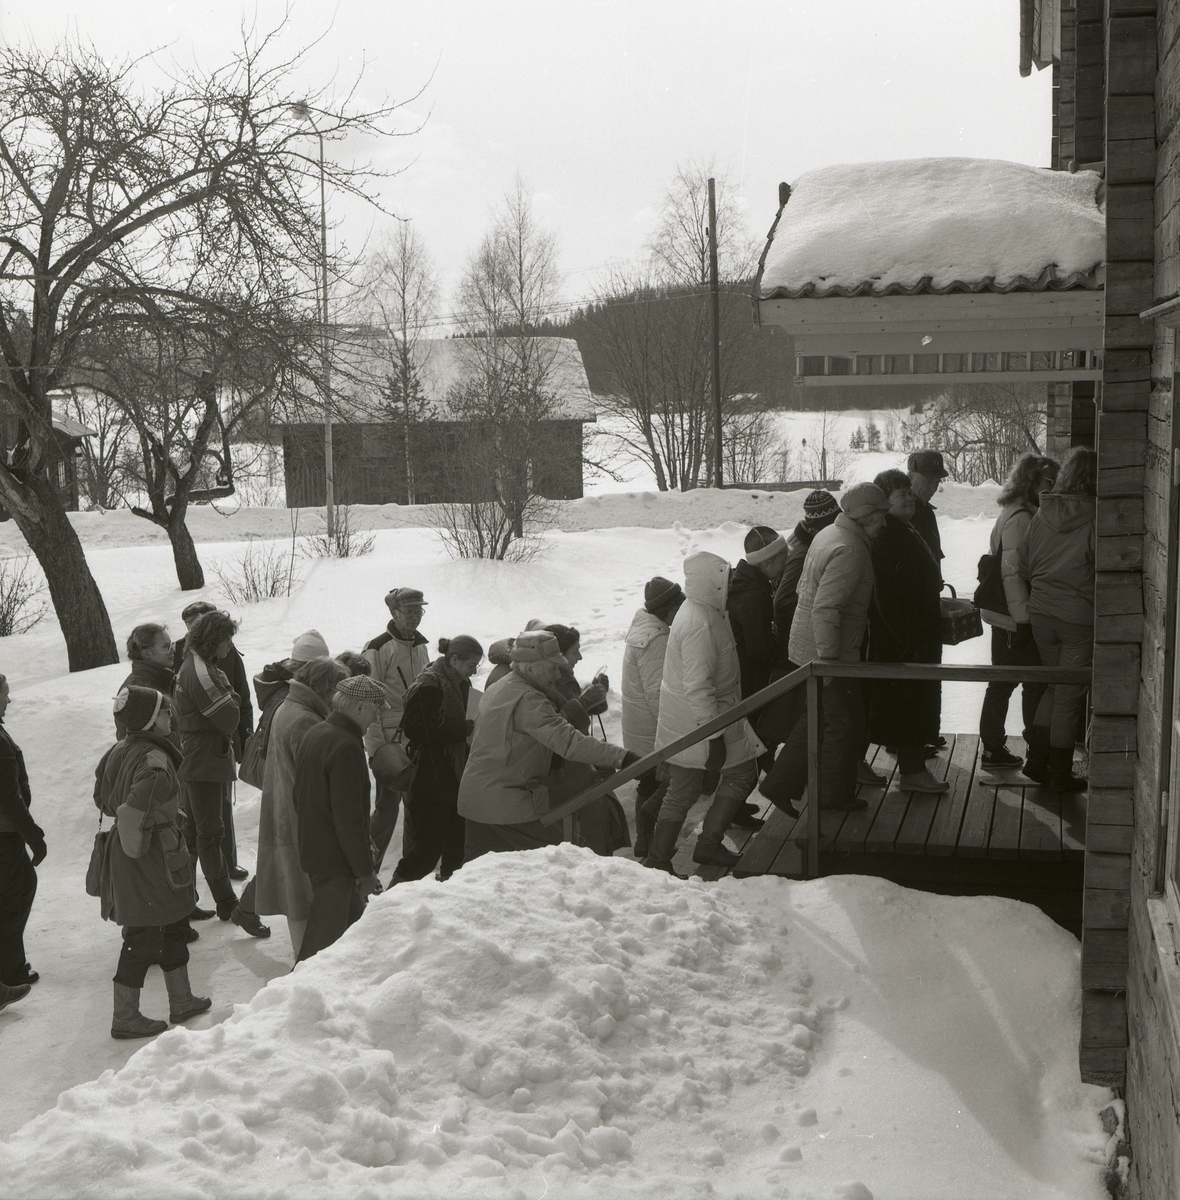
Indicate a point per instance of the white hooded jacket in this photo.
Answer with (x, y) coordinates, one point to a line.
(643, 671)
(702, 677)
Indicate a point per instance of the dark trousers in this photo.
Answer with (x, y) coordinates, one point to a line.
(1063, 706)
(335, 905)
(1009, 650)
(774, 723)
(498, 839)
(842, 746)
(144, 945)
(207, 802)
(384, 820)
(18, 886)
(434, 832)
(911, 759)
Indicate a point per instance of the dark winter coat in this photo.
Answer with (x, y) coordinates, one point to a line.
(233, 667)
(149, 675)
(1057, 558)
(786, 592)
(434, 722)
(270, 684)
(750, 605)
(904, 626)
(15, 797)
(151, 875)
(332, 800)
(207, 718)
(926, 524)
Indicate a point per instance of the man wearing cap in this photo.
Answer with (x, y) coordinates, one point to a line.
(829, 625)
(504, 791)
(331, 798)
(643, 670)
(926, 475)
(397, 657)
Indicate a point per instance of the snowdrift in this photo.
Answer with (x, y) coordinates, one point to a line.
(555, 1021)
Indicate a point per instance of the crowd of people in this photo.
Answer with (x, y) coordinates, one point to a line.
(858, 579)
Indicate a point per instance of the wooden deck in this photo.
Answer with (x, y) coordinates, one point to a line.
(991, 834)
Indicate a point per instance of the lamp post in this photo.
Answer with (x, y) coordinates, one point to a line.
(303, 112)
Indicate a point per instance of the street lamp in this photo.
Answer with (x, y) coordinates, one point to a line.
(301, 110)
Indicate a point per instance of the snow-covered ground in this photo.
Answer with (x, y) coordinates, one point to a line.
(549, 1022)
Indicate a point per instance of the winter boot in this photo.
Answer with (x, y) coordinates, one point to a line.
(128, 1022)
(663, 847)
(1000, 758)
(1061, 776)
(1036, 763)
(182, 1004)
(710, 848)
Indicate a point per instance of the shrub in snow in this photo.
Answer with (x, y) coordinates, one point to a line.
(22, 595)
(345, 540)
(260, 571)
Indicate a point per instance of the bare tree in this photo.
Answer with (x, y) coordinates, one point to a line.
(102, 456)
(401, 297)
(114, 197)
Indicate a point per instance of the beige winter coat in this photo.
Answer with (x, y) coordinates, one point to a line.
(1008, 534)
(643, 670)
(517, 732)
(702, 677)
(834, 593)
(395, 663)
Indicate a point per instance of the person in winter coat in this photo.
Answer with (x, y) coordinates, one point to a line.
(207, 718)
(437, 729)
(283, 887)
(233, 667)
(397, 657)
(18, 875)
(1057, 560)
(271, 683)
(149, 651)
(332, 801)
(505, 786)
(926, 472)
(151, 889)
(905, 625)
(701, 680)
(1013, 644)
(643, 672)
(829, 625)
(500, 656)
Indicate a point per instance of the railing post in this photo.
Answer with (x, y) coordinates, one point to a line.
(815, 692)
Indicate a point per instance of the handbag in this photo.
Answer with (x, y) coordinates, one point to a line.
(960, 619)
(990, 593)
(393, 766)
(98, 858)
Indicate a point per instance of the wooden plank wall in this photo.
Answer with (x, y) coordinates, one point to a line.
(1130, 70)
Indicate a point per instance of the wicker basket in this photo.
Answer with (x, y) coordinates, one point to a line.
(960, 619)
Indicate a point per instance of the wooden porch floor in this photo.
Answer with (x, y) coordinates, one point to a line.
(990, 834)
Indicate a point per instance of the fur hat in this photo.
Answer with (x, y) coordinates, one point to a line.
(659, 592)
(361, 689)
(309, 645)
(138, 707)
(535, 645)
(862, 499)
(762, 544)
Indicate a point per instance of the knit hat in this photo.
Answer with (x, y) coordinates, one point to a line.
(309, 645)
(404, 598)
(138, 707)
(762, 544)
(535, 645)
(361, 689)
(862, 499)
(659, 593)
(820, 509)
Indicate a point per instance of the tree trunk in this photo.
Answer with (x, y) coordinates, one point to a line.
(78, 603)
(184, 553)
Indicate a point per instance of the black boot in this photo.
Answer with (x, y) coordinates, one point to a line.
(663, 847)
(1061, 776)
(1036, 763)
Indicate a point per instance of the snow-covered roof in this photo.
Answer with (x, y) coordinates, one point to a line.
(362, 364)
(935, 225)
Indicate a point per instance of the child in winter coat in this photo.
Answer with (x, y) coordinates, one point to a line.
(148, 885)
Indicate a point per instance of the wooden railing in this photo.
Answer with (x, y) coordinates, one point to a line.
(811, 677)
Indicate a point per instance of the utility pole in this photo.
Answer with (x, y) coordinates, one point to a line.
(715, 298)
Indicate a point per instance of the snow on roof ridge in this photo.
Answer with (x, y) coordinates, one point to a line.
(935, 225)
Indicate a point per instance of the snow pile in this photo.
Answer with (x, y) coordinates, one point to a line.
(934, 222)
(556, 1021)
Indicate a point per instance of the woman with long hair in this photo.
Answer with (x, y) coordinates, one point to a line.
(1057, 560)
(1013, 644)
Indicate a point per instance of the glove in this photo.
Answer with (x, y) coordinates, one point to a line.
(36, 841)
(593, 699)
(601, 680)
(629, 759)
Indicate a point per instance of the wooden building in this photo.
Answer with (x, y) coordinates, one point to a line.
(65, 450)
(371, 461)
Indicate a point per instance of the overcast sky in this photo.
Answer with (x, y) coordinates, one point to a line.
(596, 102)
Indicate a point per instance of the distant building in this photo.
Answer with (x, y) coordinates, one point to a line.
(64, 452)
(370, 460)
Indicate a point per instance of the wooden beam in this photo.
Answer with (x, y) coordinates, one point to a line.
(1106, 909)
(1124, 553)
(938, 378)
